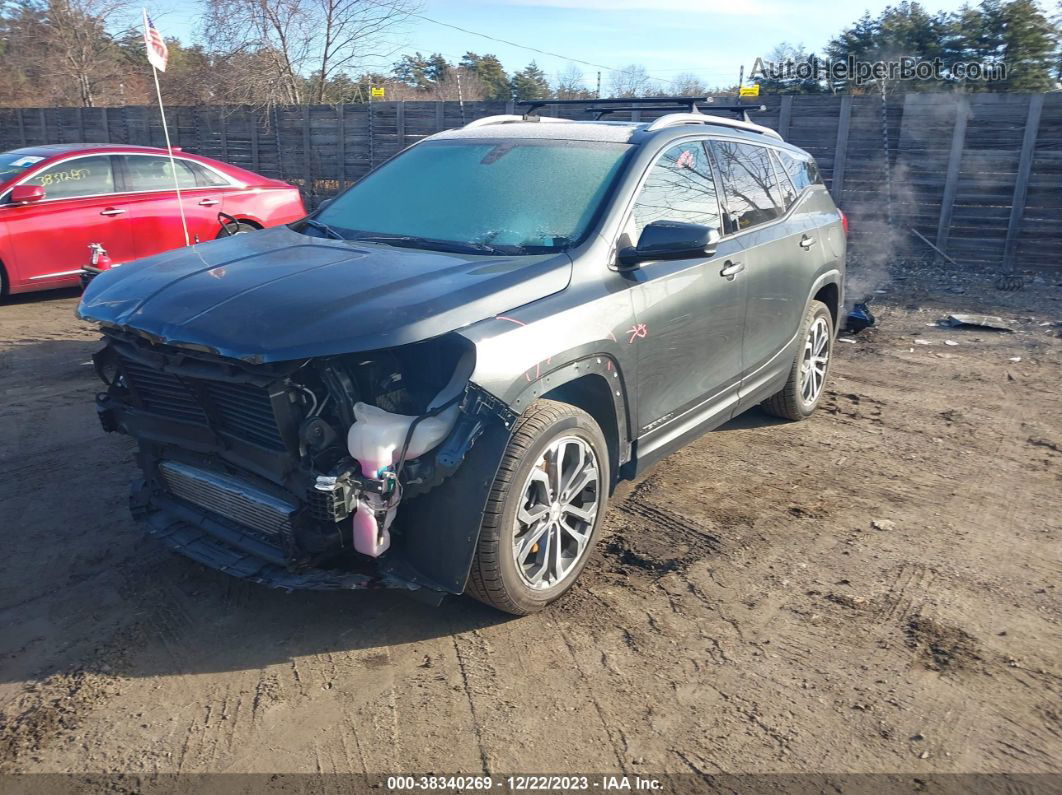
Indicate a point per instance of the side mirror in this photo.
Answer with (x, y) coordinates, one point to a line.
(670, 240)
(26, 194)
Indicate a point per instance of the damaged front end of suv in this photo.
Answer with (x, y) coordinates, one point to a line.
(295, 430)
(292, 474)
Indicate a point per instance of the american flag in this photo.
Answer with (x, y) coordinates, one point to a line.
(157, 52)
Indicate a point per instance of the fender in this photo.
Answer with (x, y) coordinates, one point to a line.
(439, 530)
(602, 365)
(832, 276)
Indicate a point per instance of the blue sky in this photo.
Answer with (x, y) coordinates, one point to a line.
(708, 38)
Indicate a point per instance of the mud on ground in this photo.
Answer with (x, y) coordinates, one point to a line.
(876, 589)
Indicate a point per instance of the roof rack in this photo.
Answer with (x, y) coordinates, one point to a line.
(603, 107)
(687, 102)
(618, 104)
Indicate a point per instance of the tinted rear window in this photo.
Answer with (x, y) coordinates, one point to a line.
(752, 193)
(148, 173)
(802, 171)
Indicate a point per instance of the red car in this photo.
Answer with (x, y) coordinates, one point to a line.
(56, 201)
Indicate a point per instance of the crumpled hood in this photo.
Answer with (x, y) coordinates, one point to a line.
(277, 295)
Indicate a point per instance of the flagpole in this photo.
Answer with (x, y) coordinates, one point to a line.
(173, 162)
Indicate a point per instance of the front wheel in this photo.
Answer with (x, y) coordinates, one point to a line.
(802, 392)
(544, 510)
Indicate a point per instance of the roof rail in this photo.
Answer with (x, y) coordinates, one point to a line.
(676, 119)
(510, 118)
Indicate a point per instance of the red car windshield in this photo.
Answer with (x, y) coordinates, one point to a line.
(14, 163)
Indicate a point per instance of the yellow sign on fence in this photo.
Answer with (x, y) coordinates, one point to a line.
(750, 91)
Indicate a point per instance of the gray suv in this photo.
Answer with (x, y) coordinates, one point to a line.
(435, 381)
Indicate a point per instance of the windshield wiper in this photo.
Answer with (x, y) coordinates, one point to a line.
(332, 233)
(411, 241)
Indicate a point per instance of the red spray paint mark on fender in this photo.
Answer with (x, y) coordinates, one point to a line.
(637, 331)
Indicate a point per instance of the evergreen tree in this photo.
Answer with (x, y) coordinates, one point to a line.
(412, 70)
(490, 72)
(437, 68)
(783, 55)
(530, 83)
(1028, 49)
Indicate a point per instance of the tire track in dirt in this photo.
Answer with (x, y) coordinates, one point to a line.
(477, 677)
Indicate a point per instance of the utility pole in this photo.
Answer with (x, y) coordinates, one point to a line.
(741, 78)
(599, 84)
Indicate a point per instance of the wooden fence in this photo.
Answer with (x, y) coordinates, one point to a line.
(978, 175)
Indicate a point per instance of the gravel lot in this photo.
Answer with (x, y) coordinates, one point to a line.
(874, 590)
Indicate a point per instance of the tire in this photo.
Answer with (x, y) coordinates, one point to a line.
(242, 228)
(525, 487)
(3, 282)
(798, 399)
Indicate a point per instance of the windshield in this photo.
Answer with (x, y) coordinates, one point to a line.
(512, 196)
(14, 163)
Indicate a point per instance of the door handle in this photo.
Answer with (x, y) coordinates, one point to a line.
(731, 269)
(112, 211)
(208, 202)
(807, 242)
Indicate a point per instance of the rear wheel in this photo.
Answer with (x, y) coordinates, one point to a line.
(544, 510)
(242, 228)
(807, 378)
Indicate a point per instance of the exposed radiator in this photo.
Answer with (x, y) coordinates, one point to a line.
(241, 411)
(229, 497)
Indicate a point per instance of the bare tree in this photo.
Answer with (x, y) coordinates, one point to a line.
(631, 81)
(688, 84)
(570, 84)
(66, 49)
(300, 39)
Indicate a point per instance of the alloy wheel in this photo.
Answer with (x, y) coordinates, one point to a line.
(557, 512)
(815, 361)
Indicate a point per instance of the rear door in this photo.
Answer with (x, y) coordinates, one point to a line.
(148, 182)
(781, 257)
(689, 315)
(50, 238)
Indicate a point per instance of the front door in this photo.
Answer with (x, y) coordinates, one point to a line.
(51, 237)
(689, 312)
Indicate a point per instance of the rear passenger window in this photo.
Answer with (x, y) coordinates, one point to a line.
(789, 194)
(150, 173)
(802, 171)
(204, 177)
(679, 188)
(752, 193)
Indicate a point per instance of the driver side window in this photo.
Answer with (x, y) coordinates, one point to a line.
(82, 176)
(679, 188)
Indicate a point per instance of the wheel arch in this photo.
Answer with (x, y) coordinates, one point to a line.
(593, 384)
(830, 294)
(828, 288)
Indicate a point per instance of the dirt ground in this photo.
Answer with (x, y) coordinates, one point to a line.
(874, 590)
